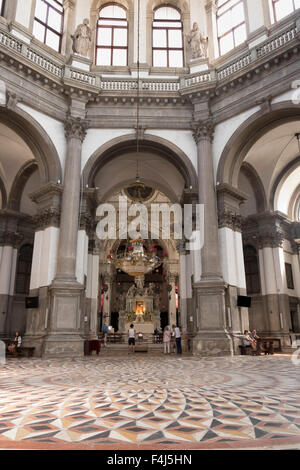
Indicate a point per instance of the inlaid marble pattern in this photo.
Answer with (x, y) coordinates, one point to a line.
(117, 401)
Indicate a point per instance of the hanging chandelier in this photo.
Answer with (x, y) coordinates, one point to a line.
(136, 261)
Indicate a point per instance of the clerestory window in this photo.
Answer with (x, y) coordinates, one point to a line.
(112, 37)
(167, 38)
(48, 22)
(282, 8)
(231, 24)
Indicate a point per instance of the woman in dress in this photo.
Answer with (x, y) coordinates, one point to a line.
(167, 340)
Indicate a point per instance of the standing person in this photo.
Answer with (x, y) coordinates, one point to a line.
(131, 338)
(167, 340)
(177, 339)
(105, 333)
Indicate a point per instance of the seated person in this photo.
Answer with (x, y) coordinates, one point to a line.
(256, 338)
(247, 340)
(15, 346)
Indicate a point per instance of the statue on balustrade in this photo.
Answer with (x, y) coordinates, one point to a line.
(197, 42)
(82, 38)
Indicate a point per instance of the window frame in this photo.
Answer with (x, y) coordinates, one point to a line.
(167, 29)
(112, 27)
(274, 10)
(47, 27)
(233, 28)
(252, 276)
(23, 276)
(2, 10)
(289, 276)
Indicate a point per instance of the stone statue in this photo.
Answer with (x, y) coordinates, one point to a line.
(150, 290)
(197, 42)
(82, 38)
(131, 291)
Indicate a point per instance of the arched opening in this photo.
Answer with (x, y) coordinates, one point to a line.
(163, 177)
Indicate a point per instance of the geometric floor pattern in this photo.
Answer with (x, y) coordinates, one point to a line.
(150, 402)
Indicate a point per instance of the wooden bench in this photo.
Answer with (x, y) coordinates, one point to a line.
(26, 351)
(246, 350)
(21, 352)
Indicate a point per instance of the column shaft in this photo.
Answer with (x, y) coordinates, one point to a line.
(67, 248)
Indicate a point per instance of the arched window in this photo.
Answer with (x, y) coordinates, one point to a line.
(24, 269)
(112, 37)
(282, 8)
(231, 24)
(2, 6)
(252, 270)
(48, 22)
(167, 38)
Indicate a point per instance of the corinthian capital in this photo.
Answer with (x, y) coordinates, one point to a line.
(203, 130)
(76, 128)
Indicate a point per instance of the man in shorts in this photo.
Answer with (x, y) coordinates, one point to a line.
(131, 338)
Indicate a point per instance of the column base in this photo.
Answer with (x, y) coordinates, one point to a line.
(208, 344)
(210, 338)
(60, 345)
(65, 326)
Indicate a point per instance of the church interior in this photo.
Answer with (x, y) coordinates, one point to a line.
(121, 108)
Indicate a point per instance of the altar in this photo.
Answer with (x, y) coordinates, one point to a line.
(140, 311)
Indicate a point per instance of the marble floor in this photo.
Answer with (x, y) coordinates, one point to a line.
(117, 401)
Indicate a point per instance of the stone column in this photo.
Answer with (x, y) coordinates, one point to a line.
(172, 298)
(44, 259)
(69, 26)
(108, 279)
(211, 338)
(211, 10)
(183, 283)
(9, 241)
(65, 326)
(232, 256)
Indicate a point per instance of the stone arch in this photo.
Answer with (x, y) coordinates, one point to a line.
(148, 182)
(158, 145)
(3, 194)
(97, 4)
(280, 180)
(256, 183)
(294, 206)
(181, 5)
(37, 140)
(18, 185)
(247, 134)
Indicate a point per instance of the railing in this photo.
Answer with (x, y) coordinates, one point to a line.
(44, 63)
(234, 67)
(276, 43)
(10, 41)
(197, 79)
(60, 70)
(83, 77)
(118, 85)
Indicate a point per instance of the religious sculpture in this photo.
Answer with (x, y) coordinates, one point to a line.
(197, 42)
(82, 38)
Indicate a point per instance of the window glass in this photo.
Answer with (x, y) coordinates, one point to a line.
(231, 24)
(112, 37)
(48, 22)
(167, 38)
(282, 8)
